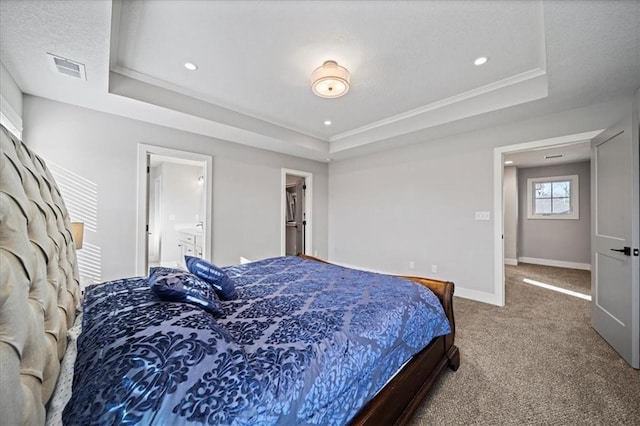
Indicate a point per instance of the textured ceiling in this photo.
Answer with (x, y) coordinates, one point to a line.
(412, 68)
(257, 57)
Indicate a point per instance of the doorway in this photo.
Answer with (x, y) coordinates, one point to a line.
(614, 223)
(174, 207)
(499, 220)
(176, 210)
(296, 213)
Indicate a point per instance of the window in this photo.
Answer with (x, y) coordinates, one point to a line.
(9, 125)
(553, 197)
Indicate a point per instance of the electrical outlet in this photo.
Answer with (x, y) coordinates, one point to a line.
(483, 215)
(412, 264)
(434, 269)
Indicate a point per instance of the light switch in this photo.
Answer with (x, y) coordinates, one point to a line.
(483, 215)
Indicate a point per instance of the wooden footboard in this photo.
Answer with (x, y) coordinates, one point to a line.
(399, 399)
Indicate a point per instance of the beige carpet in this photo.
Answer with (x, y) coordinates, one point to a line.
(535, 361)
(570, 279)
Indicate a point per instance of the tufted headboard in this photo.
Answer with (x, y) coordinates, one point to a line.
(39, 289)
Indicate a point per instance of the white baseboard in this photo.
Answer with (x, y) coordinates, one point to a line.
(557, 263)
(512, 262)
(478, 296)
(347, 265)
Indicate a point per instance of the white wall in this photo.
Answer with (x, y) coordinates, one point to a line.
(510, 203)
(561, 240)
(103, 149)
(414, 203)
(418, 203)
(10, 100)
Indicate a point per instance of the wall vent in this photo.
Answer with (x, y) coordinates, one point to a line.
(550, 157)
(68, 67)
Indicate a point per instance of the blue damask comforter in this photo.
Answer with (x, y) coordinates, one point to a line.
(305, 343)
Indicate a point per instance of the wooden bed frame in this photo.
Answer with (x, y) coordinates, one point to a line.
(396, 403)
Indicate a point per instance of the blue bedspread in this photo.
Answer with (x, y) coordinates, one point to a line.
(305, 343)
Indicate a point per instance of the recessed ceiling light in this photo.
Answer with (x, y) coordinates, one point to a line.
(481, 60)
(508, 162)
(190, 66)
(327, 122)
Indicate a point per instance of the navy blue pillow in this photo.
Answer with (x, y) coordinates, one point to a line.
(213, 275)
(176, 285)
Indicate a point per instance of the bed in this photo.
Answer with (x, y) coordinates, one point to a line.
(303, 342)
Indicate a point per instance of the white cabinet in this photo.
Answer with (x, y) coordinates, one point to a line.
(189, 244)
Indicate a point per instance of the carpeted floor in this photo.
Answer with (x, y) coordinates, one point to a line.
(570, 279)
(535, 361)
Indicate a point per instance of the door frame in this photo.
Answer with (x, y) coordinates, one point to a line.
(308, 209)
(157, 210)
(498, 296)
(144, 150)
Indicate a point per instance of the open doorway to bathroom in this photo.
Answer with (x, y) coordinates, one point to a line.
(176, 210)
(296, 223)
(174, 218)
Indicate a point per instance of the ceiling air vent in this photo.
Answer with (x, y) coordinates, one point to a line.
(550, 157)
(68, 67)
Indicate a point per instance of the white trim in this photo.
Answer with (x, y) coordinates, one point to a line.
(574, 197)
(478, 296)
(498, 222)
(308, 209)
(141, 240)
(512, 262)
(491, 87)
(9, 118)
(558, 289)
(347, 265)
(556, 263)
(198, 95)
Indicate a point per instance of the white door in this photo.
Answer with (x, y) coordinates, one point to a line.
(146, 215)
(301, 189)
(614, 279)
(155, 219)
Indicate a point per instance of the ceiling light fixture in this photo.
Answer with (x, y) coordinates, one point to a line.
(327, 122)
(330, 80)
(508, 162)
(481, 60)
(190, 66)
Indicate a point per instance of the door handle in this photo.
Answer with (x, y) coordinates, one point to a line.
(626, 251)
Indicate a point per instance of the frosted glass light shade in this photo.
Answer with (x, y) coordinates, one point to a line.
(330, 80)
(77, 229)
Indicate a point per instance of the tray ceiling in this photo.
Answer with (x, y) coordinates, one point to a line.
(411, 64)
